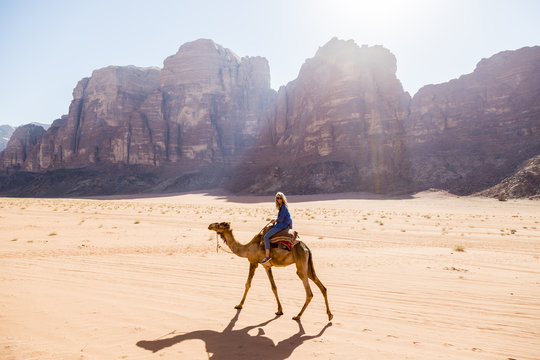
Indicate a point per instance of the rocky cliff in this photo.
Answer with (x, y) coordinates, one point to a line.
(21, 147)
(337, 127)
(209, 105)
(345, 124)
(198, 112)
(469, 133)
(103, 107)
(209, 118)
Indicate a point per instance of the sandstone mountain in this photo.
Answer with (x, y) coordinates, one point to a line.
(337, 127)
(5, 134)
(468, 134)
(209, 118)
(21, 147)
(198, 112)
(349, 126)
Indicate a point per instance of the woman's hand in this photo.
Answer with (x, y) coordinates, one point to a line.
(273, 221)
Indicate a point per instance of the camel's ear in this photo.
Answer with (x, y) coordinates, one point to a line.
(225, 225)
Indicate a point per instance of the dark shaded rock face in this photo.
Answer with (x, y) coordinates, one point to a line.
(469, 133)
(209, 118)
(337, 127)
(524, 183)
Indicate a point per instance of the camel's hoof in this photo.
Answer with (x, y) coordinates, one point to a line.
(297, 318)
(330, 316)
(279, 313)
(238, 307)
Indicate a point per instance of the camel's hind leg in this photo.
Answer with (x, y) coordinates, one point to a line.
(315, 279)
(274, 288)
(309, 294)
(252, 268)
(301, 259)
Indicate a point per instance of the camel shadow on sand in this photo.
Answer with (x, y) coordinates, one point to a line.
(238, 344)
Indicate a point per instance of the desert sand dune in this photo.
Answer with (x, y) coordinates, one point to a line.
(140, 278)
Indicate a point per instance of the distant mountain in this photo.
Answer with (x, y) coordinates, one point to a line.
(209, 118)
(5, 133)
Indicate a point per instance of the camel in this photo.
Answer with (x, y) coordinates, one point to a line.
(254, 252)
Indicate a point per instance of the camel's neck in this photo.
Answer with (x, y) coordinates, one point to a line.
(235, 246)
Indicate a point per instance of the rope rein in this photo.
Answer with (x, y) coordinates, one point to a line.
(218, 246)
(264, 227)
(221, 247)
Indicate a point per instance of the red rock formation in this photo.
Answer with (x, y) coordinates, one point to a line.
(469, 133)
(345, 124)
(212, 102)
(210, 105)
(202, 109)
(102, 104)
(337, 127)
(21, 146)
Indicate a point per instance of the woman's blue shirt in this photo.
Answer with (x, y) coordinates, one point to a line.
(284, 218)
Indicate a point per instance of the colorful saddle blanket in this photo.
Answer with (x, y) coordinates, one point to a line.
(286, 238)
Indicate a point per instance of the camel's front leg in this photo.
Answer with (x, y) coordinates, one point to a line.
(252, 267)
(274, 289)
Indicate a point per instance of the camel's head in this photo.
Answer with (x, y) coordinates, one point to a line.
(220, 227)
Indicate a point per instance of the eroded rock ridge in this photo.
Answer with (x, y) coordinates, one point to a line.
(209, 118)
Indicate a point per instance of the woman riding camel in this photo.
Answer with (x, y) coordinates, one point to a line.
(283, 220)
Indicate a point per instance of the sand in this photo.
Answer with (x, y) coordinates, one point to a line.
(140, 278)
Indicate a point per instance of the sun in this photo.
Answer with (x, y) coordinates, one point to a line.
(373, 17)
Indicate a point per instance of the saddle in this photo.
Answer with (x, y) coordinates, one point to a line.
(285, 239)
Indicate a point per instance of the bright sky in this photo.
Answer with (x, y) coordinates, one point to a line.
(48, 46)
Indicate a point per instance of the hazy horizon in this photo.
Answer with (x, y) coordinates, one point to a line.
(51, 46)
